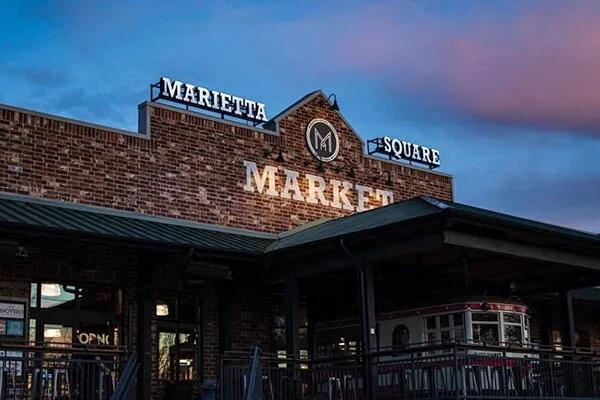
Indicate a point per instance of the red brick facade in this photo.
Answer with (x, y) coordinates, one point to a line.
(189, 166)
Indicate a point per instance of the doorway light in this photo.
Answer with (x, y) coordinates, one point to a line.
(162, 310)
(51, 333)
(51, 289)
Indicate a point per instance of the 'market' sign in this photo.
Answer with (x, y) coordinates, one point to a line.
(210, 100)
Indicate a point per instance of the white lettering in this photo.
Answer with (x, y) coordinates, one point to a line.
(416, 153)
(387, 145)
(171, 89)
(406, 147)
(386, 196)
(341, 194)
(260, 113)
(260, 180)
(435, 155)
(212, 99)
(226, 102)
(203, 97)
(363, 197)
(249, 104)
(238, 101)
(426, 157)
(291, 183)
(190, 95)
(215, 100)
(313, 189)
(397, 148)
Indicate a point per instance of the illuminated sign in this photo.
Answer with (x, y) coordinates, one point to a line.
(333, 193)
(323, 140)
(403, 150)
(210, 100)
(93, 338)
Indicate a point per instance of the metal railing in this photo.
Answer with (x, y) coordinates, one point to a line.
(449, 371)
(50, 372)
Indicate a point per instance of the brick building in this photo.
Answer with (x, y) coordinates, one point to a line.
(177, 243)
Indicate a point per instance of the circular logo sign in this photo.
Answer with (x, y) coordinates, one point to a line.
(322, 139)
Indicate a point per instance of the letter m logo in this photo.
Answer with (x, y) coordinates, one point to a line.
(322, 142)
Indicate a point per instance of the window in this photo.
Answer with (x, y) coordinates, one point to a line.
(582, 339)
(486, 328)
(178, 337)
(56, 296)
(400, 337)
(445, 328)
(279, 339)
(512, 328)
(509, 328)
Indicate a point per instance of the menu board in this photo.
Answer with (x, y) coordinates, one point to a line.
(13, 316)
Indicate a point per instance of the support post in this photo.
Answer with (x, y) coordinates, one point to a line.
(292, 316)
(568, 320)
(368, 329)
(225, 318)
(145, 303)
(292, 325)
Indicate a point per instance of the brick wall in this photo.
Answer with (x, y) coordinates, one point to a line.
(190, 166)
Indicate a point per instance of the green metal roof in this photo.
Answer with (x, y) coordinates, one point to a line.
(513, 220)
(376, 218)
(53, 216)
(403, 211)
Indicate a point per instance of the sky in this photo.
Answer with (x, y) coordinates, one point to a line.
(508, 91)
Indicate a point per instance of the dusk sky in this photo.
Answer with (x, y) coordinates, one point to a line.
(508, 91)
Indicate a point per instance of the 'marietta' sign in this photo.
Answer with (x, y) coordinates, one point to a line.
(403, 150)
(286, 183)
(210, 100)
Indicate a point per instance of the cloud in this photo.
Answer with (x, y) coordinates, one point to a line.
(563, 200)
(38, 76)
(534, 63)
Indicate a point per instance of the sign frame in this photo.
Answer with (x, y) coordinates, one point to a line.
(385, 146)
(333, 132)
(236, 107)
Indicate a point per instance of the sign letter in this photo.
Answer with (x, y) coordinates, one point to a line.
(319, 190)
(341, 194)
(260, 179)
(291, 183)
(363, 197)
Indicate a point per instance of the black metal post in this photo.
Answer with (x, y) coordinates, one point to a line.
(292, 327)
(145, 305)
(568, 320)
(367, 325)
(225, 317)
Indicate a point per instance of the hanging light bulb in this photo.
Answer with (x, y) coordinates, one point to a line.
(162, 310)
(51, 289)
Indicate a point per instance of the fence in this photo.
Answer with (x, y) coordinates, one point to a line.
(438, 372)
(40, 372)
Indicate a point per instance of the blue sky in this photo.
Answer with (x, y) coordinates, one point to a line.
(509, 91)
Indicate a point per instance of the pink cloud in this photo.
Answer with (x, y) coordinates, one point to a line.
(537, 66)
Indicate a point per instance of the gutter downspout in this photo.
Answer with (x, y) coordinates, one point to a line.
(369, 375)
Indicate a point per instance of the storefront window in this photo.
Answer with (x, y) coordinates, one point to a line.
(178, 337)
(50, 295)
(486, 328)
(445, 328)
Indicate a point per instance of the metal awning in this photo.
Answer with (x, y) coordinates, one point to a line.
(28, 214)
